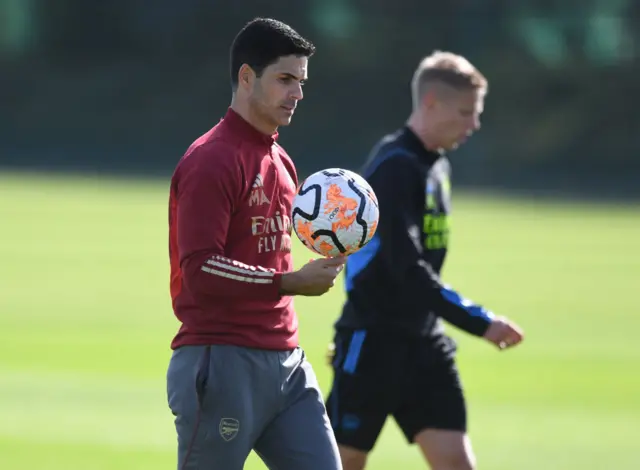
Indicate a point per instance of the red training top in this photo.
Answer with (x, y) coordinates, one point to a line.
(230, 239)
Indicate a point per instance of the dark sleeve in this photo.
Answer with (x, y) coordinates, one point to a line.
(396, 184)
(207, 193)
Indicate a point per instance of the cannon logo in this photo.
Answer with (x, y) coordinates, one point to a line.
(229, 428)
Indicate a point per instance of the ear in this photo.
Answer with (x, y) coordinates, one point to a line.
(429, 100)
(246, 75)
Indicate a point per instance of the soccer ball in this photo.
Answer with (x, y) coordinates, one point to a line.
(335, 212)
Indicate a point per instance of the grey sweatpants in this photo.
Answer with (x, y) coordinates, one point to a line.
(228, 400)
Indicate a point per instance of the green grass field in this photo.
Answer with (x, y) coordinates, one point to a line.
(86, 324)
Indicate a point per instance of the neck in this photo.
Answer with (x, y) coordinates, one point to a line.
(242, 107)
(417, 125)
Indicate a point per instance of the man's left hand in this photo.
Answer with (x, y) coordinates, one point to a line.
(504, 333)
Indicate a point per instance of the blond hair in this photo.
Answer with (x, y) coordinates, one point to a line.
(449, 69)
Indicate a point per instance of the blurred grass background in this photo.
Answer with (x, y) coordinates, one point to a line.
(86, 321)
(118, 88)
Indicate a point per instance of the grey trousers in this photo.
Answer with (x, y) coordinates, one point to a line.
(228, 400)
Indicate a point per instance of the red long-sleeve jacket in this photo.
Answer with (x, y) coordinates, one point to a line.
(230, 239)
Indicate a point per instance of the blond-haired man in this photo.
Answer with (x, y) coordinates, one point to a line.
(391, 355)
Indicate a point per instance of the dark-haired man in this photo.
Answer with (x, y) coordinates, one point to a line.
(392, 356)
(237, 379)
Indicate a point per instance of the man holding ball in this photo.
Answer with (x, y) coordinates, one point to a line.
(238, 379)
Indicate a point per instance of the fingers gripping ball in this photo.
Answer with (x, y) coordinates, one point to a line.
(335, 212)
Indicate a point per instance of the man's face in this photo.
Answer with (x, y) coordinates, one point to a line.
(455, 116)
(275, 95)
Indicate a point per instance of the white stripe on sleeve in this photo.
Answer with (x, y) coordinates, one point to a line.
(230, 269)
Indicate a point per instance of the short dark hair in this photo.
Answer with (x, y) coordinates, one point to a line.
(261, 42)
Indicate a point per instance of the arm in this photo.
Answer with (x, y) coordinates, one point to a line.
(207, 192)
(400, 236)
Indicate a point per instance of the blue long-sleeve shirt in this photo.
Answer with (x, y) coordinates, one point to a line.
(394, 281)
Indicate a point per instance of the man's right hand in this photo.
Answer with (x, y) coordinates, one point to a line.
(314, 278)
